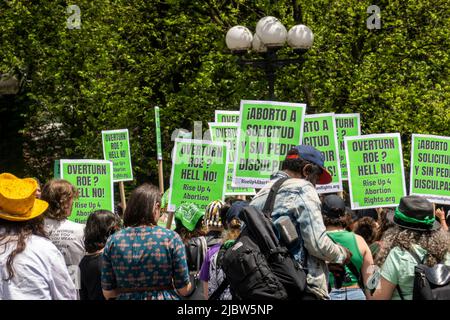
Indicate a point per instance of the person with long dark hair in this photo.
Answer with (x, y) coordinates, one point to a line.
(99, 226)
(31, 267)
(144, 261)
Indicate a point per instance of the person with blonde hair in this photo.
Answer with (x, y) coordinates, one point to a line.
(66, 235)
(31, 267)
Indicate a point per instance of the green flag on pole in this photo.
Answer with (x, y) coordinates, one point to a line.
(158, 134)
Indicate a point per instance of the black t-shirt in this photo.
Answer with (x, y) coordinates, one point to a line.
(90, 269)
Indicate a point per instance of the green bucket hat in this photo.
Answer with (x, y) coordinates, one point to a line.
(189, 214)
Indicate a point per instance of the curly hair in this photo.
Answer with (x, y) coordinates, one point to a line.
(233, 230)
(367, 228)
(436, 243)
(58, 193)
(343, 221)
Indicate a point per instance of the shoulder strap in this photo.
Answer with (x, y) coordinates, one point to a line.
(216, 294)
(270, 201)
(201, 254)
(400, 292)
(416, 257)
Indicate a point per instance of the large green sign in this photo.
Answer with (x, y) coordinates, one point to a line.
(158, 135)
(319, 131)
(227, 132)
(375, 167)
(116, 148)
(226, 116)
(198, 172)
(430, 167)
(347, 125)
(267, 130)
(94, 182)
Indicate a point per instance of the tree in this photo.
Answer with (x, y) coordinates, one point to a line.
(129, 56)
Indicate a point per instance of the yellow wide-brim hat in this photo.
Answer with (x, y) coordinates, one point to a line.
(18, 199)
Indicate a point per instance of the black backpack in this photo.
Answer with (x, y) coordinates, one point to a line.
(257, 266)
(430, 283)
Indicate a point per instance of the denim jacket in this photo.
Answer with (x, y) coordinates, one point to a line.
(298, 199)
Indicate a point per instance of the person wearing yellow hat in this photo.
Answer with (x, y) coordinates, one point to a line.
(30, 265)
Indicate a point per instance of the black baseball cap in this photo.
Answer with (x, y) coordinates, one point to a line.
(333, 206)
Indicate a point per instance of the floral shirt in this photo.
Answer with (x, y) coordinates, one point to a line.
(138, 257)
(298, 199)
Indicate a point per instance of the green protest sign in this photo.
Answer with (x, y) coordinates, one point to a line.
(227, 132)
(116, 148)
(226, 116)
(94, 182)
(430, 167)
(267, 130)
(56, 170)
(158, 134)
(347, 125)
(198, 172)
(375, 170)
(319, 131)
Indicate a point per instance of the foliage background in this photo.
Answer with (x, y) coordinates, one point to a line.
(131, 55)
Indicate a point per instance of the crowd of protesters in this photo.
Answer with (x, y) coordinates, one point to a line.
(131, 256)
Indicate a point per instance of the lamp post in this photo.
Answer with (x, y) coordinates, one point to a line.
(270, 36)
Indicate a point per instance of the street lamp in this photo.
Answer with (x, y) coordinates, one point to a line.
(270, 36)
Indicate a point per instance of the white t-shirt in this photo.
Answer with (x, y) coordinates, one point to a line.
(67, 236)
(39, 272)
